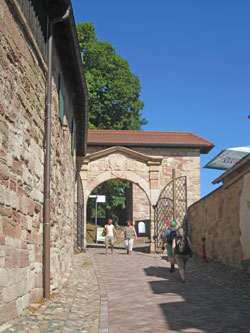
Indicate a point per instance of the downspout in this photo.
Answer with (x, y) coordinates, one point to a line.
(46, 210)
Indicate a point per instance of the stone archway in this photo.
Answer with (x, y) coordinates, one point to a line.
(127, 175)
(150, 172)
(123, 163)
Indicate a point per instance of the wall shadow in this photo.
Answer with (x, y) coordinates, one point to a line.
(197, 306)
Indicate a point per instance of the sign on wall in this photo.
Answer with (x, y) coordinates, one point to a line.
(227, 158)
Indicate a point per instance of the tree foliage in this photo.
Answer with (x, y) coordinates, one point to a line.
(114, 92)
(116, 205)
(114, 103)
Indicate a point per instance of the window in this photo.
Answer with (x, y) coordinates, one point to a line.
(61, 99)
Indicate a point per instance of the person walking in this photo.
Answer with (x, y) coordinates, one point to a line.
(181, 248)
(109, 229)
(130, 235)
(167, 238)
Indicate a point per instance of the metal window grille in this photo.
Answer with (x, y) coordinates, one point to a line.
(61, 99)
(73, 138)
(36, 15)
(80, 212)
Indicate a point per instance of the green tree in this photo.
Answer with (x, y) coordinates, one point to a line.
(114, 92)
(116, 205)
(114, 103)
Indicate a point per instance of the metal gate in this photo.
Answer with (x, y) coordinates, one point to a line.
(80, 213)
(171, 206)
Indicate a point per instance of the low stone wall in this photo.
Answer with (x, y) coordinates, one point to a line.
(217, 217)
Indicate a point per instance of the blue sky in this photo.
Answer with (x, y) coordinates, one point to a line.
(193, 61)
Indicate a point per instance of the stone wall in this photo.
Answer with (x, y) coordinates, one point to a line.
(186, 162)
(141, 206)
(245, 221)
(22, 105)
(217, 217)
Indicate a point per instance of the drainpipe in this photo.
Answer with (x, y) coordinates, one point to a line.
(46, 210)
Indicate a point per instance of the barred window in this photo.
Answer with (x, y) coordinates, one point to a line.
(73, 138)
(60, 99)
(36, 15)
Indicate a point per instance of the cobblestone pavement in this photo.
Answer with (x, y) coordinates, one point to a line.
(139, 294)
(74, 309)
(223, 276)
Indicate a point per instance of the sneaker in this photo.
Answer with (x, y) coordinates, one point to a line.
(172, 269)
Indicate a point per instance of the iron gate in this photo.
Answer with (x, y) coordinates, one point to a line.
(171, 206)
(80, 213)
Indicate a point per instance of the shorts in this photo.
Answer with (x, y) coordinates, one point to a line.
(181, 260)
(109, 240)
(169, 250)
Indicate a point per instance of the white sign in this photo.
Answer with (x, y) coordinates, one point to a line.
(101, 198)
(141, 228)
(227, 158)
(99, 235)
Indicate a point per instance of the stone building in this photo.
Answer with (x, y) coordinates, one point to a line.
(223, 217)
(146, 159)
(23, 81)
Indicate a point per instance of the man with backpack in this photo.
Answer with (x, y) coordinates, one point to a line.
(167, 238)
(181, 248)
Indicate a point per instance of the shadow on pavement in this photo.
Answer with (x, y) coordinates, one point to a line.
(199, 307)
(142, 248)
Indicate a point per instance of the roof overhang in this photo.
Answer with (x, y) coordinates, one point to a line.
(203, 149)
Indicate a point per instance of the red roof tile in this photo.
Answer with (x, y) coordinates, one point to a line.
(148, 139)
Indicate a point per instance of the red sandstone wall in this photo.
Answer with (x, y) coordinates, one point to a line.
(217, 218)
(141, 207)
(22, 96)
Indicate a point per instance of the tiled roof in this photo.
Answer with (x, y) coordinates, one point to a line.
(148, 139)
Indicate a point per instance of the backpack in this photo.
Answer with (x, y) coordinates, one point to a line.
(171, 236)
(182, 246)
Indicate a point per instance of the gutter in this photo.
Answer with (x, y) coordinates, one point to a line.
(46, 210)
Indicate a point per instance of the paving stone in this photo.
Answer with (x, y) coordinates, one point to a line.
(121, 294)
(143, 296)
(74, 309)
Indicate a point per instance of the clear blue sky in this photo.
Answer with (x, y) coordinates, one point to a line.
(193, 61)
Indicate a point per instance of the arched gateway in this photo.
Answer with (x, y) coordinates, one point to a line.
(145, 159)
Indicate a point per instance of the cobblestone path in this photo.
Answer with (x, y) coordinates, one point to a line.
(74, 309)
(139, 294)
